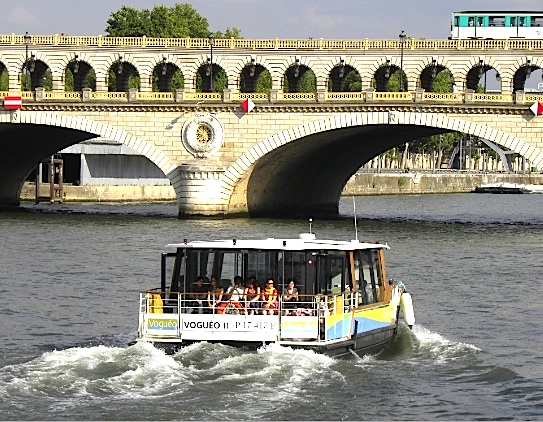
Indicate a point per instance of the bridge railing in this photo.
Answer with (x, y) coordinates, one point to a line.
(273, 43)
(370, 96)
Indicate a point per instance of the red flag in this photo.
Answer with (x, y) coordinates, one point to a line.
(537, 108)
(247, 105)
(13, 103)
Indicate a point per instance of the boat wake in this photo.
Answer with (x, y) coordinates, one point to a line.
(79, 379)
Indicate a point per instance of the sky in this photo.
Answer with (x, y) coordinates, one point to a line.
(259, 19)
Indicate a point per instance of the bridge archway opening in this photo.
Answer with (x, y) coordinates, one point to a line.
(534, 83)
(82, 74)
(299, 78)
(123, 76)
(23, 146)
(305, 178)
(210, 78)
(523, 77)
(344, 78)
(254, 76)
(483, 78)
(37, 71)
(166, 77)
(429, 75)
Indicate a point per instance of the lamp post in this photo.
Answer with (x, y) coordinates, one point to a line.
(211, 41)
(25, 67)
(402, 40)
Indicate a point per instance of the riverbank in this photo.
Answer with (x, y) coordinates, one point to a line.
(414, 182)
(384, 183)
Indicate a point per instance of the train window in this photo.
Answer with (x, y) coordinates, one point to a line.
(496, 20)
(479, 21)
(537, 21)
(470, 21)
(513, 21)
(456, 23)
(522, 21)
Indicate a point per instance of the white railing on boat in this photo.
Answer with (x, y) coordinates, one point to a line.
(175, 314)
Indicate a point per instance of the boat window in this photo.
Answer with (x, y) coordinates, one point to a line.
(173, 271)
(367, 276)
(295, 267)
(330, 274)
(264, 264)
(226, 264)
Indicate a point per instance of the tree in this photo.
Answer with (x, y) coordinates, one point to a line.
(180, 21)
(4, 80)
(443, 81)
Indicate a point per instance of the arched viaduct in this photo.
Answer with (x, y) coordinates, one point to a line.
(293, 153)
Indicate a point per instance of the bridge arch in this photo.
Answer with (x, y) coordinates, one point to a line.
(23, 129)
(302, 170)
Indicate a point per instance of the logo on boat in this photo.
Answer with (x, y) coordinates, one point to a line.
(162, 324)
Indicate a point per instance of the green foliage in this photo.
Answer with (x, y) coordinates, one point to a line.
(178, 81)
(308, 82)
(90, 80)
(179, 21)
(220, 81)
(432, 143)
(48, 80)
(353, 81)
(394, 82)
(233, 32)
(443, 82)
(4, 80)
(68, 80)
(264, 82)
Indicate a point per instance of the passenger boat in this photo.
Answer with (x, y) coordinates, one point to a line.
(345, 302)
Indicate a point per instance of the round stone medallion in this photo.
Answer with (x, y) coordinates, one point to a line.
(202, 135)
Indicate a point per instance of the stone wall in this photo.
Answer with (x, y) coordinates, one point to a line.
(419, 183)
(360, 184)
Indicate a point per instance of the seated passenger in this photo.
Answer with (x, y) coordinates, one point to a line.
(290, 297)
(214, 296)
(269, 298)
(252, 295)
(235, 295)
(198, 297)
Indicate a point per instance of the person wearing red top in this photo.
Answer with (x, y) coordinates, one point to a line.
(269, 298)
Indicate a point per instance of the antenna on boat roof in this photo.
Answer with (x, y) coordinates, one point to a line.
(355, 226)
(310, 221)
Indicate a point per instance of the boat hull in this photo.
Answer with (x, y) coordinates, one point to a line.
(366, 343)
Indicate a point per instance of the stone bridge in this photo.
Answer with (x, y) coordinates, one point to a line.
(293, 153)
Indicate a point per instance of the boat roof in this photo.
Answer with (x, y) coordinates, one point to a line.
(306, 241)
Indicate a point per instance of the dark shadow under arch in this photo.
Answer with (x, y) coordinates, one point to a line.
(305, 177)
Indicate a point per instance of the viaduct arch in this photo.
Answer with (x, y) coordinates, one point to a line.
(301, 171)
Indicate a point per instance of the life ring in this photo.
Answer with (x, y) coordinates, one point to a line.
(224, 308)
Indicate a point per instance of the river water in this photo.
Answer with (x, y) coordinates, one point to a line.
(69, 281)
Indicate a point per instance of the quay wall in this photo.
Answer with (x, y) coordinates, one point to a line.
(385, 183)
(414, 182)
